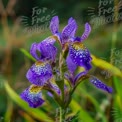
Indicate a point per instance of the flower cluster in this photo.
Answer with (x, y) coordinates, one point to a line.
(56, 65)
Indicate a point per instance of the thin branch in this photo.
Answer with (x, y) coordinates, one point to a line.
(2, 9)
(10, 7)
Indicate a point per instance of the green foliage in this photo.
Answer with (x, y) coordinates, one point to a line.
(117, 108)
(27, 54)
(83, 115)
(106, 66)
(33, 112)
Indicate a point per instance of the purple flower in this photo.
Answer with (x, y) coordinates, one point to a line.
(85, 33)
(46, 49)
(33, 96)
(68, 31)
(78, 54)
(95, 81)
(39, 73)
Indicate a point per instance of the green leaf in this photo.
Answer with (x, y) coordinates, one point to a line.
(107, 66)
(95, 103)
(83, 115)
(9, 111)
(36, 113)
(26, 53)
(118, 86)
(27, 117)
(118, 95)
(60, 84)
(73, 118)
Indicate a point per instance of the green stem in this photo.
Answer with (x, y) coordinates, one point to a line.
(114, 35)
(76, 85)
(63, 91)
(61, 75)
(62, 114)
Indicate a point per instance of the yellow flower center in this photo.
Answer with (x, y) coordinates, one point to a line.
(40, 63)
(78, 46)
(35, 89)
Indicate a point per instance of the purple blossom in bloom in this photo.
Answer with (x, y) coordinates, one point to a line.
(42, 71)
(68, 31)
(85, 33)
(39, 73)
(79, 55)
(46, 49)
(33, 96)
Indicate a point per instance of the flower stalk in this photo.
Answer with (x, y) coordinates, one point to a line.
(74, 54)
(62, 114)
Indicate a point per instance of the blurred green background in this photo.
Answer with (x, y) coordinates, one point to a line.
(23, 22)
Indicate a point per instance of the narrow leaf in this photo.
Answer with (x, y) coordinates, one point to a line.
(107, 66)
(26, 53)
(83, 115)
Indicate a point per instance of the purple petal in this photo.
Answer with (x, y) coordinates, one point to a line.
(78, 39)
(54, 25)
(39, 73)
(48, 51)
(33, 96)
(79, 75)
(48, 41)
(33, 51)
(80, 55)
(70, 64)
(55, 88)
(69, 31)
(86, 32)
(100, 85)
(69, 78)
(70, 20)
